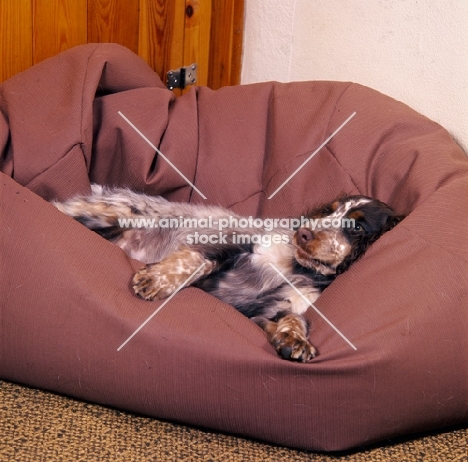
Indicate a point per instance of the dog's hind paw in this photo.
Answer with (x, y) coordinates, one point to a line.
(289, 337)
(293, 348)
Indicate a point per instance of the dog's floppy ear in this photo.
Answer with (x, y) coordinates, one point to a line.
(392, 221)
(380, 218)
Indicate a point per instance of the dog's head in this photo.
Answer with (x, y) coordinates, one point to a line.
(337, 234)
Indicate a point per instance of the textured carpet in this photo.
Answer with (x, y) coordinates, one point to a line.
(39, 426)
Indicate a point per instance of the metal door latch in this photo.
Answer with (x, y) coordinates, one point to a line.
(180, 78)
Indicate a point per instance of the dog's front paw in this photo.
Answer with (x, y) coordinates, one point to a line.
(293, 347)
(151, 283)
(159, 280)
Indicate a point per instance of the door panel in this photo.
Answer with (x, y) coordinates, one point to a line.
(114, 21)
(168, 34)
(16, 45)
(57, 26)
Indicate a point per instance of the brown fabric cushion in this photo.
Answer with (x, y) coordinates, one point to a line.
(66, 302)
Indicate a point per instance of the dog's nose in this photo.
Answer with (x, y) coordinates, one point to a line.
(304, 235)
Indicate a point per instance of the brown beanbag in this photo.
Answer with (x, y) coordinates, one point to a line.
(66, 300)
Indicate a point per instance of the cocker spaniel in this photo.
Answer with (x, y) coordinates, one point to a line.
(270, 270)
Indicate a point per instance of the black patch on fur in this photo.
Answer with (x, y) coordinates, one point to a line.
(223, 255)
(135, 210)
(110, 233)
(318, 280)
(262, 304)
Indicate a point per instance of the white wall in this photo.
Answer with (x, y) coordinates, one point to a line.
(413, 50)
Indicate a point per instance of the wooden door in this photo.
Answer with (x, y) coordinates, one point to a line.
(168, 34)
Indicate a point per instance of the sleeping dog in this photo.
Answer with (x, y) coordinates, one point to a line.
(269, 274)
